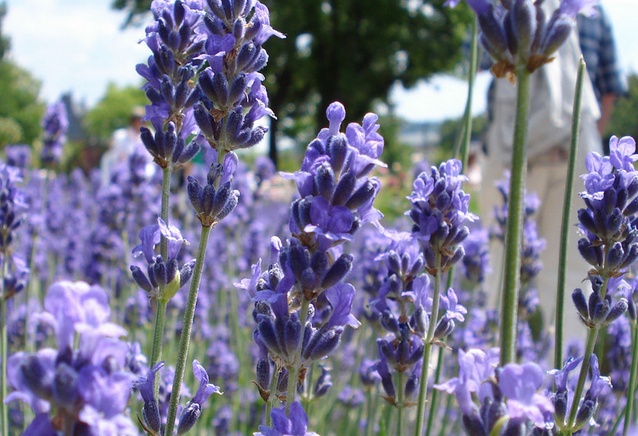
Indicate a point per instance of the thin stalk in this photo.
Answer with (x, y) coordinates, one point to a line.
(462, 147)
(372, 410)
(400, 405)
(435, 393)
(592, 335)
(184, 340)
(631, 396)
(166, 192)
(293, 370)
(513, 233)
(427, 349)
(565, 225)
(5, 352)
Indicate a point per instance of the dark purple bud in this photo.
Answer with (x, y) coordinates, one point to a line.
(65, 386)
(362, 195)
(36, 377)
(163, 29)
(228, 10)
(556, 34)
(231, 204)
(239, 29)
(171, 270)
(523, 15)
(388, 386)
(614, 256)
(291, 336)
(344, 189)
(216, 7)
(473, 425)
(616, 311)
(338, 270)
(151, 415)
(204, 120)
(262, 372)
(587, 221)
(338, 151)
(444, 328)
(147, 139)
(324, 383)
(179, 148)
(159, 271)
(581, 303)
(419, 321)
(220, 199)
(164, 60)
(324, 342)
(515, 427)
(268, 334)
(495, 411)
(601, 309)
(220, 88)
(189, 417)
(247, 54)
(592, 254)
(411, 386)
(239, 8)
(319, 264)
(585, 413)
(389, 322)
(182, 91)
(238, 88)
(493, 31)
(208, 196)
(394, 263)
(140, 278)
(186, 272)
(560, 405)
(325, 180)
(632, 208)
(630, 257)
(188, 152)
(510, 34)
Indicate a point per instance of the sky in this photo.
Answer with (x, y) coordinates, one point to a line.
(79, 46)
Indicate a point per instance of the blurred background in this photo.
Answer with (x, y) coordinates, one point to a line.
(405, 59)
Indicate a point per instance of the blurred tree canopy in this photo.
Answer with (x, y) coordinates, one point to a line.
(352, 51)
(623, 120)
(113, 111)
(20, 109)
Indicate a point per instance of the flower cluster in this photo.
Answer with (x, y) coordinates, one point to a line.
(517, 32)
(503, 393)
(55, 124)
(83, 389)
(164, 277)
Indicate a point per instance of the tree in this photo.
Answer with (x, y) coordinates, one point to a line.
(20, 109)
(113, 111)
(353, 51)
(623, 120)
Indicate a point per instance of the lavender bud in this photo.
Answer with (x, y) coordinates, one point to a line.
(560, 406)
(411, 386)
(323, 384)
(616, 312)
(338, 151)
(323, 343)
(186, 272)
(523, 15)
(581, 303)
(394, 263)
(344, 189)
(65, 386)
(556, 35)
(585, 413)
(220, 88)
(473, 425)
(188, 152)
(151, 415)
(204, 120)
(189, 417)
(493, 32)
(216, 7)
(140, 278)
(208, 197)
(292, 335)
(338, 270)
(263, 373)
(601, 309)
(389, 322)
(247, 54)
(268, 334)
(35, 377)
(362, 195)
(238, 88)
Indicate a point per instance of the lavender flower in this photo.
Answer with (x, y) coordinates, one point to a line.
(88, 387)
(296, 424)
(55, 124)
(193, 409)
(516, 33)
(519, 384)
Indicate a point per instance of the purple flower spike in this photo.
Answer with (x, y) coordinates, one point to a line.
(519, 384)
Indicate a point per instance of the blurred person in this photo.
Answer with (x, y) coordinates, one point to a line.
(550, 116)
(124, 142)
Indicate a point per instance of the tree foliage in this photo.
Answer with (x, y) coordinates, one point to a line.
(113, 111)
(20, 109)
(352, 51)
(623, 120)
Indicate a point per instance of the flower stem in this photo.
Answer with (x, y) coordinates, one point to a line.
(184, 340)
(293, 370)
(592, 335)
(565, 224)
(462, 147)
(427, 349)
(631, 395)
(400, 402)
(513, 233)
(435, 393)
(5, 352)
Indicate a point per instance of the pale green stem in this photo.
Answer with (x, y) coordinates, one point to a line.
(274, 381)
(400, 405)
(372, 411)
(293, 370)
(5, 352)
(187, 326)
(427, 349)
(462, 148)
(631, 395)
(565, 225)
(513, 233)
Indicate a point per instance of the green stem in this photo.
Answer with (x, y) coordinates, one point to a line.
(400, 405)
(513, 234)
(462, 148)
(166, 192)
(427, 349)
(371, 402)
(631, 396)
(184, 340)
(565, 225)
(293, 369)
(5, 352)
(435, 393)
(158, 331)
(592, 334)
